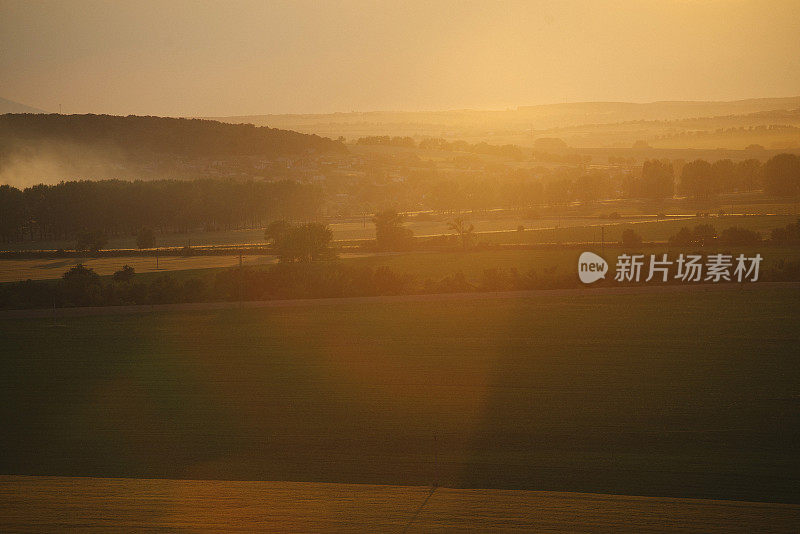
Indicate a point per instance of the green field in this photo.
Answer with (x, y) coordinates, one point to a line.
(689, 393)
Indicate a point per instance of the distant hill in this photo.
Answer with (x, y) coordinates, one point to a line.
(48, 148)
(188, 137)
(483, 124)
(610, 112)
(9, 106)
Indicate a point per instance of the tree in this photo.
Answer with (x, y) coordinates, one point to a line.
(696, 179)
(657, 179)
(81, 286)
(748, 174)
(723, 175)
(789, 234)
(146, 238)
(304, 243)
(276, 229)
(684, 237)
(464, 230)
(12, 213)
(704, 234)
(125, 274)
(736, 235)
(782, 175)
(390, 233)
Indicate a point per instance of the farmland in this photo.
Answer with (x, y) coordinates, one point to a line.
(437, 264)
(64, 503)
(592, 393)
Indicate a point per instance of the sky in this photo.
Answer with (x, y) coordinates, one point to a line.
(179, 58)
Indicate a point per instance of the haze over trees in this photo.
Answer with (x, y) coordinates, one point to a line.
(356, 184)
(658, 180)
(135, 134)
(48, 148)
(782, 175)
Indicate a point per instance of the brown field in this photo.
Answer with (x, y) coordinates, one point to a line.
(35, 504)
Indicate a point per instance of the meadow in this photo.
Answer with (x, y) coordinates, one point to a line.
(684, 393)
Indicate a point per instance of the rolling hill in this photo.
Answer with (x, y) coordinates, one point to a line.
(465, 122)
(36, 148)
(9, 106)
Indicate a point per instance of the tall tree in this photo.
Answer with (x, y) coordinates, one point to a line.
(658, 180)
(390, 233)
(464, 230)
(696, 180)
(782, 175)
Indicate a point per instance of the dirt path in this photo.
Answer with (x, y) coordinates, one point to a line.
(438, 297)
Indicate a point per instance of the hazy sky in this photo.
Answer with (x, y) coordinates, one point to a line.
(235, 58)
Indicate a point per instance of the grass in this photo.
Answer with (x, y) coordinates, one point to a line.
(690, 394)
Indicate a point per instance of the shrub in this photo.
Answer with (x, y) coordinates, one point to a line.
(736, 235)
(684, 237)
(125, 274)
(91, 241)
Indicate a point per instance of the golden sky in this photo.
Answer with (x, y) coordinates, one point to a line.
(237, 58)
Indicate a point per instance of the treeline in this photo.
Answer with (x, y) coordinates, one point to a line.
(133, 134)
(481, 185)
(700, 179)
(704, 235)
(81, 286)
(114, 207)
(509, 152)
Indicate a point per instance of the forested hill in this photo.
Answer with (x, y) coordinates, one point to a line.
(159, 135)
